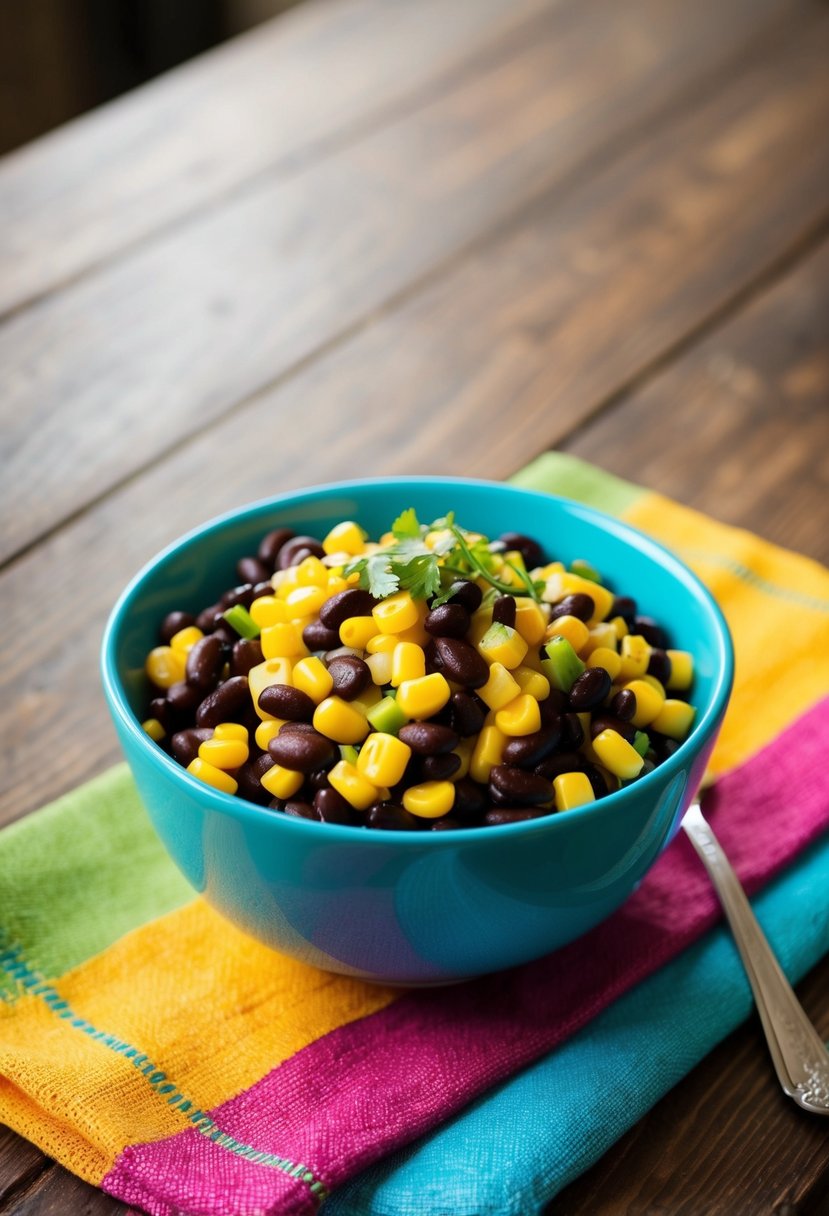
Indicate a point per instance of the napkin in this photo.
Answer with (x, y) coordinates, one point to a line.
(159, 1053)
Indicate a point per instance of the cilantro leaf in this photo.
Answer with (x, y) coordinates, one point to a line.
(420, 575)
(407, 525)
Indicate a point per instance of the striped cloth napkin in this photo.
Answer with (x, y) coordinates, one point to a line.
(157, 1052)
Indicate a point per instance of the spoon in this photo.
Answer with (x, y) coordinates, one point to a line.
(799, 1055)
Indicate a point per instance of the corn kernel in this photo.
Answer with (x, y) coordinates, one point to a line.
(674, 718)
(649, 701)
(283, 641)
(396, 613)
(260, 677)
(647, 678)
(231, 730)
(266, 731)
(500, 688)
(416, 634)
(381, 642)
(636, 654)
(165, 666)
(602, 635)
(154, 729)
(340, 721)
(282, 782)
(185, 638)
(567, 583)
(503, 644)
(682, 670)
(530, 620)
(346, 537)
(532, 682)
(312, 677)
(571, 628)
(480, 623)
(520, 717)
(383, 759)
(305, 602)
(464, 752)
(572, 789)
(210, 775)
(370, 695)
(380, 666)
(487, 752)
(335, 584)
(353, 785)
(616, 754)
(408, 663)
(224, 753)
(608, 659)
(356, 631)
(430, 800)
(311, 573)
(424, 696)
(620, 625)
(268, 610)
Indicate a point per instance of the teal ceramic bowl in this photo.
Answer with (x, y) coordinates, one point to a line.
(423, 907)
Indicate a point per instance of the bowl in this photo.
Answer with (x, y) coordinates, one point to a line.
(415, 908)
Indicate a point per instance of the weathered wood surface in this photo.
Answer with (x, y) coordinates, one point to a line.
(518, 236)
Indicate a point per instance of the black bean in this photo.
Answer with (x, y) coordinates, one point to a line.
(461, 662)
(653, 633)
(303, 751)
(226, 634)
(251, 570)
(529, 549)
(249, 777)
(552, 707)
(597, 780)
(428, 738)
(503, 611)
(529, 750)
(173, 622)
(392, 818)
(447, 621)
(206, 620)
(297, 549)
(468, 714)
(561, 762)
(331, 807)
(659, 665)
(183, 698)
(297, 808)
(284, 701)
(602, 722)
(524, 789)
(205, 661)
(300, 727)
(270, 545)
(317, 636)
(351, 676)
(247, 653)
(263, 588)
(572, 731)
(470, 801)
(623, 705)
(499, 816)
(225, 702)
(440, 768)
(466, 593)
(624, 607)
(589, 689)
(243, 594)
(318, 780)
(446, 824)
(185, 745)
(351, 602)
(163, 711)
(578, 605)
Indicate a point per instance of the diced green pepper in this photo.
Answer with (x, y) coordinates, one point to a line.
(563, 666)
(386, 716)
(240, 619)
(641, 742)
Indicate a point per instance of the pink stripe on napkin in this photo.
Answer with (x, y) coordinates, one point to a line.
(369, 1087)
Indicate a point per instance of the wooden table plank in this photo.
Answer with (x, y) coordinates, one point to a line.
(272, 99)
(578, 312)
(194, 322)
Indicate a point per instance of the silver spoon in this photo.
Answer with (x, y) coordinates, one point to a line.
(799, 1055)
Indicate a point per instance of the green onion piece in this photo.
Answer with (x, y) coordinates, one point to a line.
(240, 619)
(563, 666)
(349, 753)
(585, 570)
(386, 716)
(641, 742)
(496, 635)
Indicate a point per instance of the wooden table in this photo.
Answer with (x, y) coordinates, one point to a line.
(423, 236)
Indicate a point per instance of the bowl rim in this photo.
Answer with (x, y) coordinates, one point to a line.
(250, 811)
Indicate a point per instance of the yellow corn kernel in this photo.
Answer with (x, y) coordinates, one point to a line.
(368, 697)
(224, 753)
(567, 583)
(416, 634)
(335, 584)
(380, 666)
(608, 659)
(424, 696)
(464, 751)
(210, 775)
(620, 625)
(481, 621)
(283, 641)
(682, 670)
(616, 754)
(268, 610)
(353, 785)
(284, 582)
(347, 537)
(154, 729)
(313, 677)
(636, 654)
(487, 752)
(185, 638)
(311, 573)
(282, 782)
(356, 631)
(520, 717)
(260, 677)
(305, 602)
(340, 721)
(381, 643)
(266, 731)
(165, 666)
(396, 613)
(500, 688)
(408, 663)
(383, 759)
(571, 628)
(530, 620)
(430, 800)
(532, 682)
(231, 730)
(674, 718)
(602, 635)
(503, 644)
(546, 572)
(572, 789)
(649, 701)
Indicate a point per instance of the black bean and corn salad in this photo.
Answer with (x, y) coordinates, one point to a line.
(433, 679)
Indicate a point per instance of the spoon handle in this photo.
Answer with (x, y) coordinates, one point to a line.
(800, 1058)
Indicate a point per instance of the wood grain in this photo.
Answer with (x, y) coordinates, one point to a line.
(138, 357)
(271, 99)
